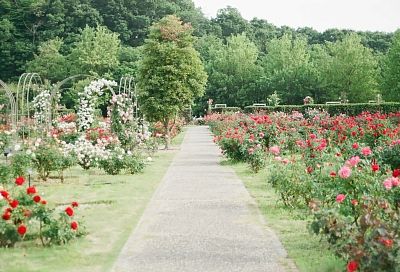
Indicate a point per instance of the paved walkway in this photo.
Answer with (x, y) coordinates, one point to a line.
(200, 219)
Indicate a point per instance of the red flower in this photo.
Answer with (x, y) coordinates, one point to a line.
(31, 190)
(36, 198)
(74, 225)
(332, 174)
(310, 169)
(4, 194)
(355, 145)
(354, 202)
(352, 266)
(44, 202)
(74, 204)
(22, 229)
(396, 173)
(375, 167)
(387, 242)
(19, 181)
(69, 211)
(6, 216)
(14, 203)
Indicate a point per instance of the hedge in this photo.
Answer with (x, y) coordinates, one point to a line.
(332, 109)
(226, 109)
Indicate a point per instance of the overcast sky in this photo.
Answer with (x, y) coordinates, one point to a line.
(382, 15)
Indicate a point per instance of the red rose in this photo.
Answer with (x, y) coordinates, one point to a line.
(310, 169)
(74, 204)
(69, 211)
(36, 198)
(31, 190)
(352, 266)
(332, 174)
(355, 145)
(14, 203)
(4, 194)
(6, 216)
(74, 225)
(19, 181)
(396, 173)
(22, 229)
(44, 202)
(375, 167)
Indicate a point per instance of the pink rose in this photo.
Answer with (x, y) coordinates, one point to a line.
(274, 150)
(353, 161)
(344, 172)
(388, 184)
(366, 151)
(340, 198)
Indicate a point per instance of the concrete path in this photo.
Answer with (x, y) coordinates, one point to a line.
(201, 218)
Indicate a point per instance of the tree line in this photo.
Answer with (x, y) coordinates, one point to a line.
(246, 61)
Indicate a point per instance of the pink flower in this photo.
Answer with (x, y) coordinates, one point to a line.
(353, 161)
(340, 198)
(285, 161)
(355, 145)
(250, 150)
(344, 172)
(388, 184)
(366, 151)
(278, 158)
(274, 150)
(261, 135)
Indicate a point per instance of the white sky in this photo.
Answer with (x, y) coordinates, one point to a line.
(374, 15)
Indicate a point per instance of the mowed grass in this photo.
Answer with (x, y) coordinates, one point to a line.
(309, 253)
(110, 206)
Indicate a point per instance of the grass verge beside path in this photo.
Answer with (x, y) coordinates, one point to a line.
(306, 250)
(110, 206)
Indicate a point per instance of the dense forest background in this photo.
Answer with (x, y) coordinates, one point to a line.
(246, 61)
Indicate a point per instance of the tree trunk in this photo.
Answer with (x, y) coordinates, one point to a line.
(167, 135)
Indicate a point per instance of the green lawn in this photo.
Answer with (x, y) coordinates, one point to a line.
(111, 206)
(308, 252)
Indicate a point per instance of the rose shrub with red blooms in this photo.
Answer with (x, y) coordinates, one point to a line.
(323, 161)
(23, 212)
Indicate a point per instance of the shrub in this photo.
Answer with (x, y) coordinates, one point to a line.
(134, 163)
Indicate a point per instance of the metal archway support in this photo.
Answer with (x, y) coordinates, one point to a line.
(12, 104)
(127, 85)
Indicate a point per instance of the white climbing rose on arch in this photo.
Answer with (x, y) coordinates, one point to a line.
(87, 101)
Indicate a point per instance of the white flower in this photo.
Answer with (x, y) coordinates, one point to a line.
(17, 147)
(149, 159)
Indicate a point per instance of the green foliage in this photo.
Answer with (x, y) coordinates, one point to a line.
(20, 163)
(171, 74)
(332, 109)
(134, 163)
(391, 71)
(49, 158)
(49, 62)
(96, 51)
(351, 69)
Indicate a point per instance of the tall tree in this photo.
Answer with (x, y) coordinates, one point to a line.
(171, 74)
(230, 21)
(352, 70)
(96, 51)
(391, 71)
(287, 68)
(234, 73)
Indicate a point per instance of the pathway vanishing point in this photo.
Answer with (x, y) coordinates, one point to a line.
(201, 218)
